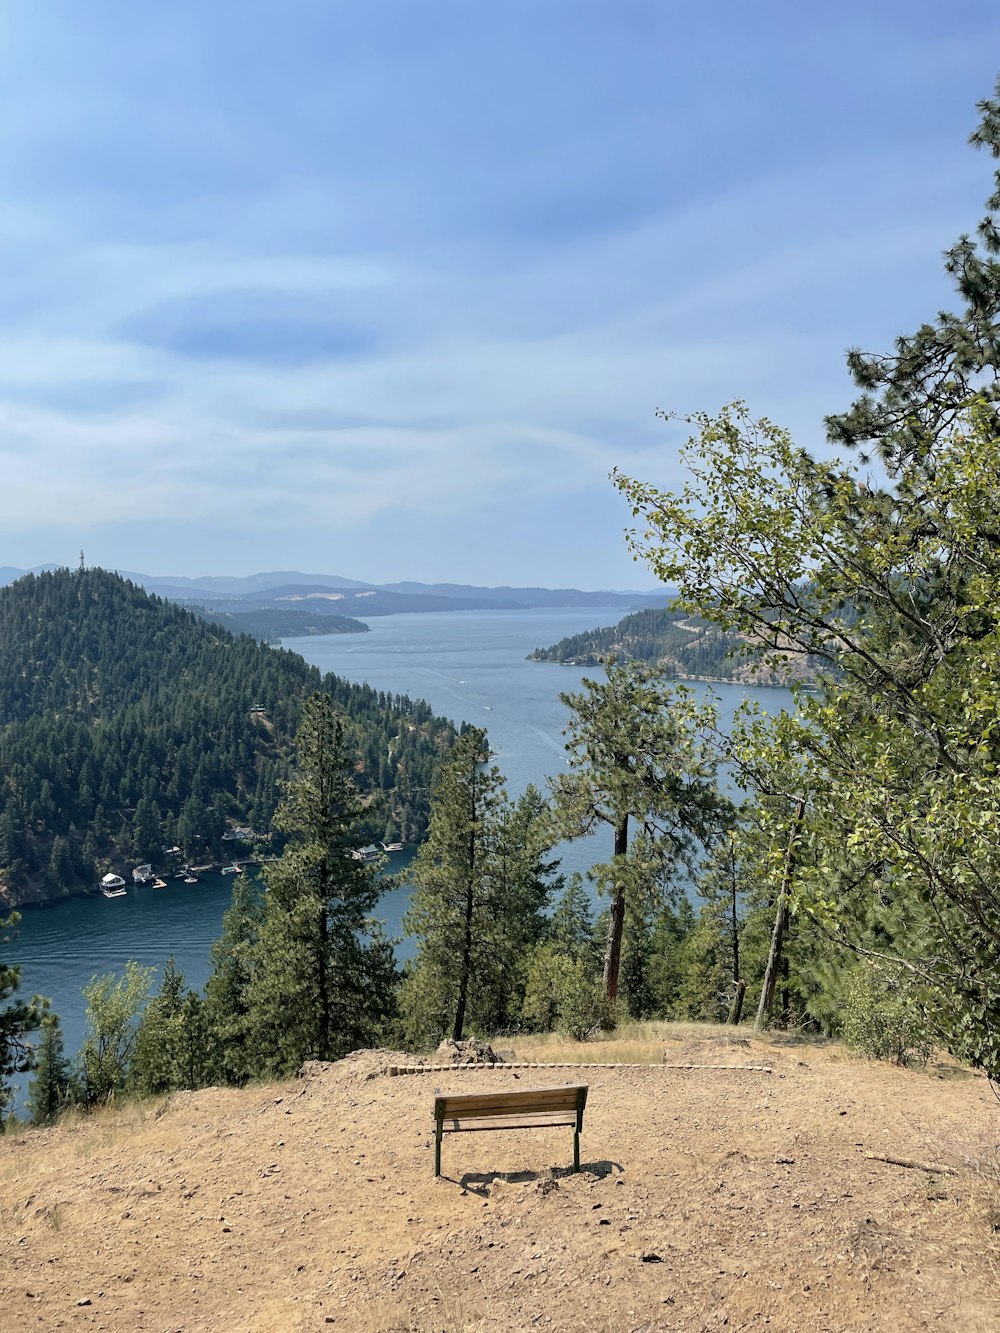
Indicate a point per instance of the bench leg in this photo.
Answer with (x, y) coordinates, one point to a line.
(576, 1150)
(437, 1153)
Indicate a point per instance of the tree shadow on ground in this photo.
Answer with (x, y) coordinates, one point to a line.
(479, 1182)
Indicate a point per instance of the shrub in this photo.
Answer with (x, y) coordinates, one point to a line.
(882, 1018)
(561, 994)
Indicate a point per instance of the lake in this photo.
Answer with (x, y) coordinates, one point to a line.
(469, 665)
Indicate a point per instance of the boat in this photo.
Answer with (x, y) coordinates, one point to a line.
(190, 879)
(142, 874)
(366, 854)
(234, 869)
(392, 846)
(113, 886)
(159, 883)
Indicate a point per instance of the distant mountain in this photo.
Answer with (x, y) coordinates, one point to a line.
(372, 601)
(524, 597)
(323, 594)
(329, 602)
(232, 586)
(8, 573)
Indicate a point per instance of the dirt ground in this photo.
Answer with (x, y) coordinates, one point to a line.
(707, 1199)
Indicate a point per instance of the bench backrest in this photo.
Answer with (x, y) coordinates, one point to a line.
(515, 1108)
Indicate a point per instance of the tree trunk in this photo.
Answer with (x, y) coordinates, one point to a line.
(463, 980)
(616, 925)
(323, 984)
(736, 1008)
(780, 920)
(466, 960)
(735, 936)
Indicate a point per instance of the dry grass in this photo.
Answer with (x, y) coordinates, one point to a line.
(644, 1044)
(980, 1157)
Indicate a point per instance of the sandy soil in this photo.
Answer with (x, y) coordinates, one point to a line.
(708, 1199)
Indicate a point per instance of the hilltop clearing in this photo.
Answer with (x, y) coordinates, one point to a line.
(708, 1198)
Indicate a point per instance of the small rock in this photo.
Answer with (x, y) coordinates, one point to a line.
(85, 1301)
(651, 1257)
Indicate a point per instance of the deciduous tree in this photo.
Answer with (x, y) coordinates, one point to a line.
(896, 591)
(114, 1006)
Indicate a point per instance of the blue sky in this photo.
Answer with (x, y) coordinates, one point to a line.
(386, 288)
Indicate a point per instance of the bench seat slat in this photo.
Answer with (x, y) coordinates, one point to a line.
(567, 1113)
(509, 1121)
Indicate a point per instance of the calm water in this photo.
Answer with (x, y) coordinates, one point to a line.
(469, 666)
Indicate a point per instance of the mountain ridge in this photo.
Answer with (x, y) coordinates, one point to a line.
(332, 594)
(182, 587)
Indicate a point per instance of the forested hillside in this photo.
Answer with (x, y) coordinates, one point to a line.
(684, 645)
(127, 725)
(270, 626)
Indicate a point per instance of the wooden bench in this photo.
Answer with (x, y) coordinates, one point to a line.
(518, 1108)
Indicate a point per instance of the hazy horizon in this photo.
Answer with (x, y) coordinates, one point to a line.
(250, 574)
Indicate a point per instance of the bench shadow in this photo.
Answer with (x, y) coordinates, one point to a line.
(479, 1182)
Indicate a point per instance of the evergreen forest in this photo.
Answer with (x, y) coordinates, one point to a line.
(682, 645)
(270, 625)
(128, 725)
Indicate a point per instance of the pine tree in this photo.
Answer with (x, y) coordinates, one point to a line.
(310, 995)
(18, 1018)
(637, 754)
(233, 1054)
(519, 881)
(912, 398)
(571, 928)
(53, 1087)
(157, 1063)
(453, 906)
(61, 864)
